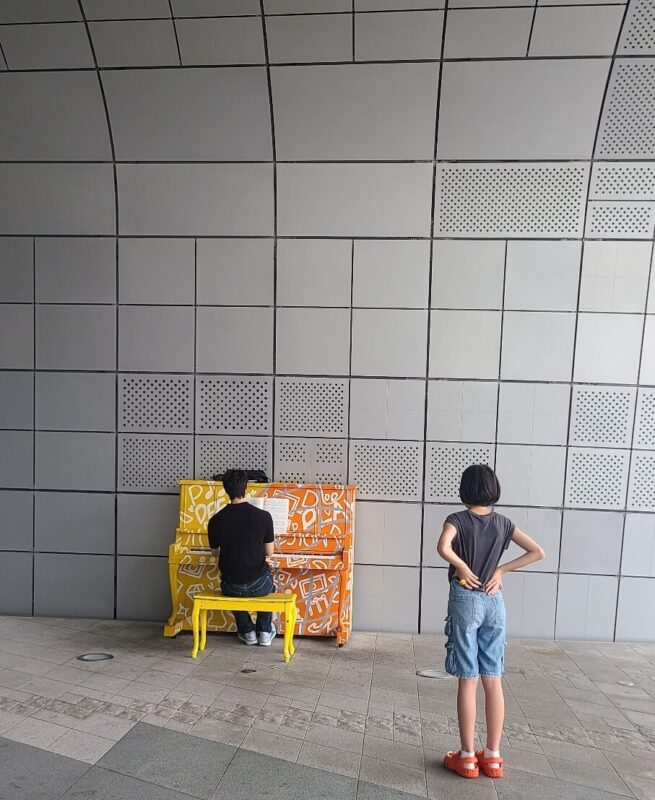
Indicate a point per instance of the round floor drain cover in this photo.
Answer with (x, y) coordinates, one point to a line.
(248, 671)
(94, 657)
(432, 672)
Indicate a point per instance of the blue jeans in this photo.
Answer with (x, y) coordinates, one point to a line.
(475, 630)
(258, 588)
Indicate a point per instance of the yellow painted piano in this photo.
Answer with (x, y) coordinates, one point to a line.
(313, 559)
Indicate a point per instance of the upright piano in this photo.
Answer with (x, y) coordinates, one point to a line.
(313, 558)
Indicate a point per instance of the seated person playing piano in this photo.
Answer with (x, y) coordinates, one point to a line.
(242, 535)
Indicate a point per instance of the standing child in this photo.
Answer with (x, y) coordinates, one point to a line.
(472, 542)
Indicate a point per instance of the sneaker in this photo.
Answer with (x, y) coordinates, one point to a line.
(249, 638)
(265, 639)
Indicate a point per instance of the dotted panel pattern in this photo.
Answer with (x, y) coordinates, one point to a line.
(642, 482)
(234, 405)
(153, 463)
(215, 454)
(623, 182)
(628, 125)
(639, 29)
(620, 220)
(156, 403)
(511, 200)
(645, 425)
(445, 464)
(386, 470)
(311, 407)
(311, 461)
(602, 417)
(597, 478)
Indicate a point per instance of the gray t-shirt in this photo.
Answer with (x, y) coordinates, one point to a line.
(480, 542)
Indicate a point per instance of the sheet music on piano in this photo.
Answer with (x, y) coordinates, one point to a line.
(277, 507)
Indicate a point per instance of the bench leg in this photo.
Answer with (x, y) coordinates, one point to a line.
(195, 621)
(294, 618)
(287, 627)
(203, 628)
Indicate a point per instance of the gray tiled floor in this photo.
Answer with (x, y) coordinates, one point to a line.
(335, 723)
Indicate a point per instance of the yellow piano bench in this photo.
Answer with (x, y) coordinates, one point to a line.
(284, 603)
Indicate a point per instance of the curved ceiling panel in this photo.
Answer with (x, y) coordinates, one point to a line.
(521, 109)
(53, 116)
(39, 10)
(68, 199)
(60, 45)
(190, 114)
(355, 112)
(126, 9)
(196, 199)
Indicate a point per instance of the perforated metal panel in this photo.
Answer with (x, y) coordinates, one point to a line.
(645, 424)
(311, 460)
(311, 407)
(160, 403)
(597, 478)
(542, 200)
(639, 29)
(602, 416)
(445, 464)
(388, 470)
(623, 182)
(620, 220)
(215, 454)
(628, 125)
(153, 463)
(642, 482)
(234, 405)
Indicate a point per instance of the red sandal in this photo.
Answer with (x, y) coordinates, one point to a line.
(490, 772)
(454, 761)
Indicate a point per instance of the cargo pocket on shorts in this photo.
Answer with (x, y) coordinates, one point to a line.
(451, 667)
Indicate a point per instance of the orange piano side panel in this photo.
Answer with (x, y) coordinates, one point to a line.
(313, 559)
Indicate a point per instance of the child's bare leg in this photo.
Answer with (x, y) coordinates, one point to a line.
(466, 712)
(494, 707)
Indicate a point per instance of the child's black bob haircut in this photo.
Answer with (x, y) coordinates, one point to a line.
(235, 482)
(479, 486)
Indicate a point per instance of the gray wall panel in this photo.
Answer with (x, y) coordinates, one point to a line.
(89, 582)
(75, 461)
(16, 526)
(70, 522)
(16, 583)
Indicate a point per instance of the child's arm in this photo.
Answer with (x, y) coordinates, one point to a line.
(445, 550)
(533, 552)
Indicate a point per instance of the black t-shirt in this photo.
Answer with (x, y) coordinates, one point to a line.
(481, 541)
(240, 530)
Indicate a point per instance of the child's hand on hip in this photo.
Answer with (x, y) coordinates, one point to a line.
(471, 581)
(494, 583)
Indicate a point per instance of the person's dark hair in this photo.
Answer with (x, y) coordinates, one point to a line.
(479, 486)
(235, 482)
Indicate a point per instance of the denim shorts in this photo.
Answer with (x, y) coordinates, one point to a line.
(475, 631)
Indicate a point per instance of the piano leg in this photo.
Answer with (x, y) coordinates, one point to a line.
(172, 578)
